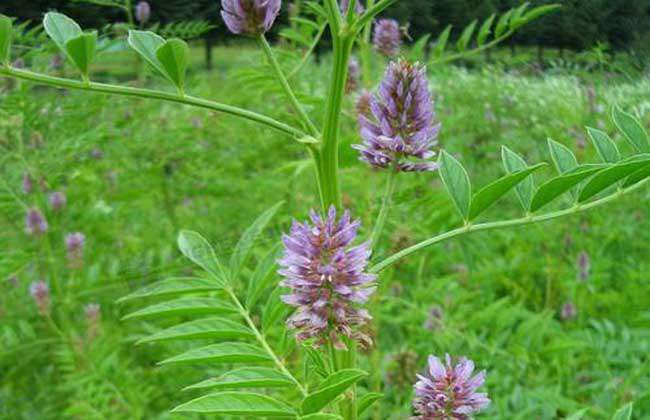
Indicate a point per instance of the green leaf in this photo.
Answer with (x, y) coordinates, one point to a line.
(563, 158)
(5, 39)
(146, 44)
(367, 401)
(632, 129)
(173, 56)
(214, 328)
(605, 146)
(578, 415)
(456, 180)
(624, 413)
(489, 194)
(246, 377)
(198, 249)
(637, 177)
(333, 386)
(512, 162)
(503, 23)
(222, 353)
(540, 11)
(555, 187)
(61, 29)
(418, 49)
(247, 240)
(611, 176)
(485, 30)
(321, 416)
(262, 277)
(184, 306)
(274, 310)
(237, 404)
(82, 50)
(173, 287)
(466, 36)
(441, 43)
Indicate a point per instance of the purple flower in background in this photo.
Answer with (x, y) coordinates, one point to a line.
(401, 131)
(354, 74)
(74, 245)
(57, 200)
(28, 183)
(19, 63)
(387, 37)
(40, 292)
(93, 318)
(584, 266)
(568, 311)
(363, 104)
(35, 223)
(142, 12)
(449, 392)
(251, 17)
(327, 278)
(358, 8)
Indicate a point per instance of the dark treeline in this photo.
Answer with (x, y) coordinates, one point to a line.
(580, 24)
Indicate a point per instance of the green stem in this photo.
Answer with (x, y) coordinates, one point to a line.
(295, 104)
(385, 206)
(152, 94)
(498, 225)
(260, 338)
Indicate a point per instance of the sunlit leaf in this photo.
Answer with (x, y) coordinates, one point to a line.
(213, 328)
(512, 162)
(173, 287)
(632, 129)
(146, 44)
(486, 29)
(624, 413)
(321, 416)
(456, 180)
(82, 50)
(367, 401)
(555, 187)
(221, 353)
(198, 249)
(237, 404)
(61, 29)
(563, 157)
(610, 176)
(246, 377)
(604, 145)
(173, 56)
(184, 306)
(578, 415)
(503, 23)
(333, 386)
(466, 36)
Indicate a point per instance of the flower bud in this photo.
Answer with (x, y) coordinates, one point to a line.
(35, 223)
(250, 17)
(40, 292)
(387, 37)
(142, 12)
(569, 311)
(57, 200)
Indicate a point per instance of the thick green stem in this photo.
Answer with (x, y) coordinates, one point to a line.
(385, 206)
(498, 225)
(295, 104)
(152, 94)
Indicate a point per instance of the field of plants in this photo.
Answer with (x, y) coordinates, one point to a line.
(173, 240)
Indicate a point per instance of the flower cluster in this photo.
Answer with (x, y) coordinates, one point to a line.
(35, 223)
(250, 17)
(327, 279)
(449, 392)
(387, 37)
(401, 128)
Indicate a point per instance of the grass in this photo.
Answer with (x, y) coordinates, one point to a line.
(496, 296)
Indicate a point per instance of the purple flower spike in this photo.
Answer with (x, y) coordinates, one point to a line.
(387, 37)
(28, 183)
(449, 392)
(401, 131)
(40, 292)
(250, 17)
(569, 311)
(354, 74)
(142, 12)
(327, 278)
(58, 200)
(584, 266)
(358, 8)
(35, 223)
(74, 244)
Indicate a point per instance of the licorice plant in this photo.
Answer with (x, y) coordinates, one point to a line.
(317, 311)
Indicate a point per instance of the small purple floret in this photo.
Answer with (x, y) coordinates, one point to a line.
(35, 223)
(40, 292)
(327, 278)
(250, 17)
(28, 183)
(142, 12)
(401, 132)
(58, 200)
(387, 37)
(449, 392)
(358, 8)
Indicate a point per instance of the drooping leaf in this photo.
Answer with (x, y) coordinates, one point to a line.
(555, 187)
(173, 287)
(632, 129)
(6, 33)
(174, 56)
(610, 176)
(213, 328)
(246, 377)
(61, 29)
(198, 249)
(485, 30)
(563, 157)
(624, 413)
(333, 386)
(367, 401)
(456, 180)
(489, 194)
(247, 240)
(146, 44)
(466, 36)
(262, 277)
(183, 306)
(221, 353)
(237, 404)
(604, 145)
(441, 43)
(512, 162)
